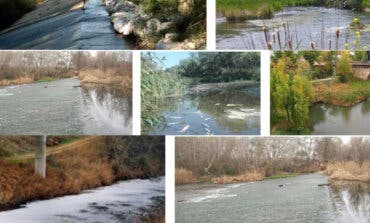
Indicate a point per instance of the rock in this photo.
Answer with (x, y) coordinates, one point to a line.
(166, 26)
(124, 27)
(170, 37)
(124, 6)
(281, 185)
(153, 26)
(185, 6)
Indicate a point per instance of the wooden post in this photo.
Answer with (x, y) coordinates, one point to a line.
(40, 156)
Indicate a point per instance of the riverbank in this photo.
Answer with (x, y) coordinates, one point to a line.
(342, 94)
(333, 93)
(209, 87)
(349, 171)
(110, 76)
(45, 9)
(168, 26)
(31, 79)
(251, 9)
(184, 176)
(69, 171)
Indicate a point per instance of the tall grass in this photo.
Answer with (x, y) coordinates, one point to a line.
(156, 86)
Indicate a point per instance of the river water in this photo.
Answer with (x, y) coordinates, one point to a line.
(304, 22)
(223, 112)
(337, 120)
(80, 29)
(299, 199)
(62, 108)
(125, 201)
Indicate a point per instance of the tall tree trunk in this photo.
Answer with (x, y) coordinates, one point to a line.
(40, 156)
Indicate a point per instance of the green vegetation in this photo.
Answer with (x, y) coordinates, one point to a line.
(294, 86)
(12, 10)
(191, 24)
(236, 10)
(46, 79)
(158, 84)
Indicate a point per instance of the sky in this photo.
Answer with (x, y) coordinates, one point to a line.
(172, 58)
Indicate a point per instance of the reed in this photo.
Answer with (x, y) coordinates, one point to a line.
(156, 86)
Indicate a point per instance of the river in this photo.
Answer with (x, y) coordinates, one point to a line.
(228, 111)
(336, 120)
(304, 22)
(80, 29)
(125, 201)
(299, 199)
(63, 108)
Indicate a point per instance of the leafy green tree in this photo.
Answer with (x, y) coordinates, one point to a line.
(344, 67)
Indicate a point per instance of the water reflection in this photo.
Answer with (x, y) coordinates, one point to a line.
(226, 111)
(308, 23)
(351, 201)
(330, 119)
(109, 105)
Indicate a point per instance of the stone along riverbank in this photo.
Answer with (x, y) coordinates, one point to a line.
(130, 19)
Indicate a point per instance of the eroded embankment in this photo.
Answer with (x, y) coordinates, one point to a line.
(110, 76)
(85, 166)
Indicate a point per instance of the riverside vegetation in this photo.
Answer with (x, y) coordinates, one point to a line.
(255, 25)
(37, 66)
(75, 164)
(197, 74)
(251, 9)
(301, 80)
(175, 24)
(225, 160)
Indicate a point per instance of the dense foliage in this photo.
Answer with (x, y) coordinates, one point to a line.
(292, 91)
(191, 22)
(144, 154)
(209, 67)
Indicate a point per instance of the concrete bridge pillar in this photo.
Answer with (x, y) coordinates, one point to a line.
(40, 156)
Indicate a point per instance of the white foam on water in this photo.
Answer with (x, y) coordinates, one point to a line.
(137, 193)
(4, 92)
(239, 114)
(211, 195)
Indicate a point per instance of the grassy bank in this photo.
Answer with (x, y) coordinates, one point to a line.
(342, 94)
(97, 163)
(110, 76)
(349, 171)
(238, 10)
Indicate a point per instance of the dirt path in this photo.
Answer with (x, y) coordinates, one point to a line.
(58, 149)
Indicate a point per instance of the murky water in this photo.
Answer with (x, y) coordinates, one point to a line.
(62, 108)
(126, 201)
(337, 120)
(306, 23)
(300, 199)
(224, 112)
(79, 29)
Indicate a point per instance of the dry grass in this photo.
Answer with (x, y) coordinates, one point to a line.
(351, 171)
(18, 81)
(110, 76)
(67, 173)
(183, 176)
(246, 177)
